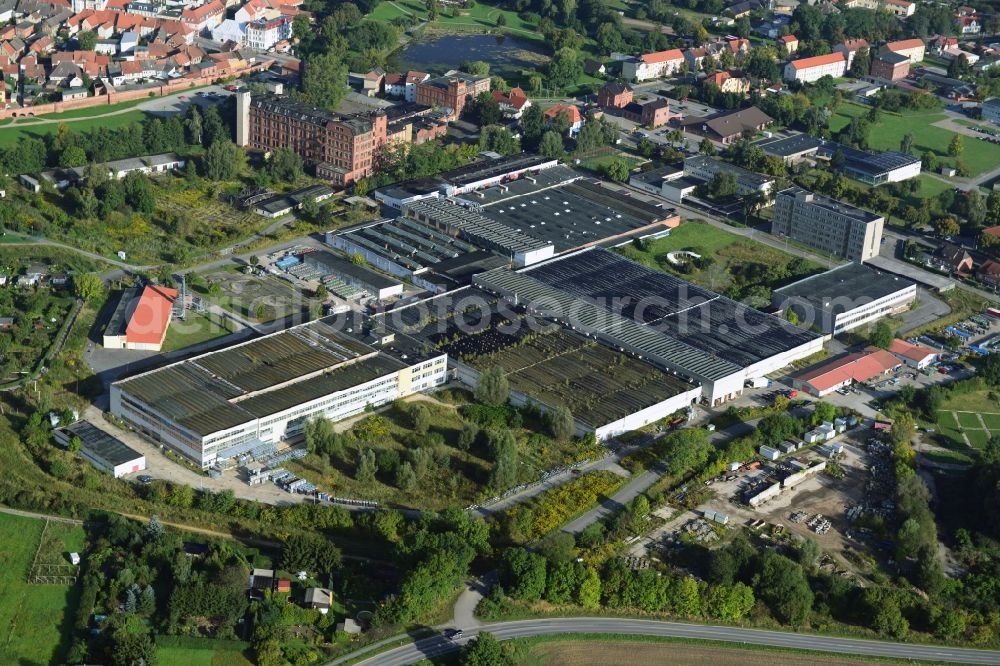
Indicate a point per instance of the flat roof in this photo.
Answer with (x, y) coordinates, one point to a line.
(715, 165)
(102, 445)
(856, 281)
(408, 242)
(475, 224)
(490, 168)
(122, 312)
(789, 146)
(217, 390)
(656, 176)
(830, 204)
(343, 266)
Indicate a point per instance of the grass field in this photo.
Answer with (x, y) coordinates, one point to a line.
(599, 653)
(978, 155)
(948, 457)
(961, 420)
(12, 134)
(194, 329)
(34, 619)
(730, 252)
(481, 15)
(175, 656)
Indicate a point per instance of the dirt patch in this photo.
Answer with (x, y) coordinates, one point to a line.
(601, 653)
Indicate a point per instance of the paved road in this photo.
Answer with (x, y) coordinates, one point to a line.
(438, 645)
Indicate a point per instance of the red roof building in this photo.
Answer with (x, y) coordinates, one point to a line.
(141, 323)
(915, 356)
(842, 372)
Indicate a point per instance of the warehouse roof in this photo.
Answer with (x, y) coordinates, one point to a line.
(857, 282)
(100, 444)
(209, 393)
(474, 224)
(341, 266)
(790, 146)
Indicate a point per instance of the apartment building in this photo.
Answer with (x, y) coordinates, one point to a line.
(911, 48)
(265, 34)
(653, 65)
(453, 90)
(812, 69)
(827, 225)
(342, 147)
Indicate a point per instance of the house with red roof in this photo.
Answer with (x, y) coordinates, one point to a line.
(989, 273)
(653, 65)
(911, 48)
(572, 113)
(512, 103)
(850, 48)
(728, 83)
(789, 42)
(205, 17)
(860, 367)
(812, 69)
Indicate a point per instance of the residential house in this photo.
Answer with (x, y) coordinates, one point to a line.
(941, 42)
(953, 52)
(572, 113)
(911, 48)
(412, 79)
(614, 95)
(950, 258)
(265, 34)
(593, 67)
(968, 21)
(512, 103)
(695, 57)
(789, 42)
(261, 579)
(989, 273)
(204, 17)
(394, 84)
(654, 113)
(728, 83)
(850, 48)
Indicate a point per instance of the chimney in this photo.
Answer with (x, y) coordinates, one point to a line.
(243, 117)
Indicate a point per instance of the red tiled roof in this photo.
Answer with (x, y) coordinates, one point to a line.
(911, 351)
(571, 111)
(854, 44)
(905, 44)
(149, 321)
(788, 39)
(661, 56)
(817, 61)
(859, 366)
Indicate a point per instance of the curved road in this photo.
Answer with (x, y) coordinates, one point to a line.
(438, 645)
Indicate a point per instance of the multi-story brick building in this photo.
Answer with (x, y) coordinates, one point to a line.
(827, 224)
(453, 90)
(342, 147)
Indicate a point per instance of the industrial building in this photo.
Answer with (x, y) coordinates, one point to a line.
(790, 148)
(675, 183)
(827, 225)
(100, 449)
(889, 166)
(342, 147)
(482, 173)
(250, 397)
(283, 204)
(335, 271)
(452, 91)
(151, 165)
(913, 355)
(141, 318)
(845, 298)
(677, 326)
(827, 377)
(524, 220)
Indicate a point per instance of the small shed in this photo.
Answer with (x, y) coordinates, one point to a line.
(767, 453)
(318, 598)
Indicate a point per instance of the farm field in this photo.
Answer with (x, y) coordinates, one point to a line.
(34, 619)
(979, 156)
(175, 656)
(732, 254)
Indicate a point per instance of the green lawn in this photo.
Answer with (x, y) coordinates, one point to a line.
(12, 134)
(992, 421)
(950, 457)
(175, 656)
(481, 15)
(600, 164)
(957, 420)
(930, 186)
(978, 438)
(978, 155)
(967, 420)
(88, 111)
(730, 252)
(34, 619)
(194, 329)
